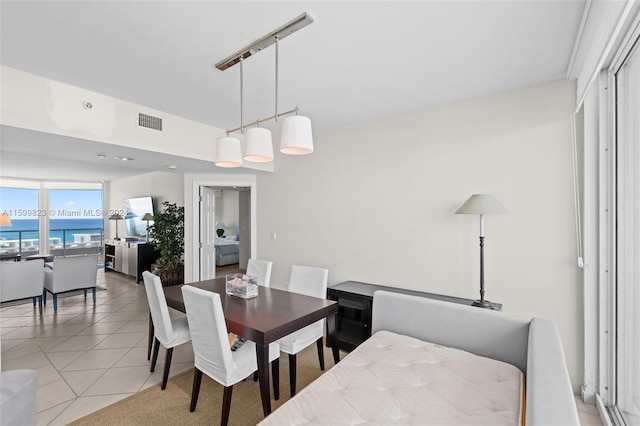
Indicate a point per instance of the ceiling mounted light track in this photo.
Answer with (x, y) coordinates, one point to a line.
(296, 137)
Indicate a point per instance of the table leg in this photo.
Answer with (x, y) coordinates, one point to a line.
(262, 354)
(332, 326)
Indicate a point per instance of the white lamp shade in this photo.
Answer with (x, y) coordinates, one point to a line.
(482, 204)
(228, 152)
(258, 147)
(296, 138)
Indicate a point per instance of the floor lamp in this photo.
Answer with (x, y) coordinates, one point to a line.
(482, 204)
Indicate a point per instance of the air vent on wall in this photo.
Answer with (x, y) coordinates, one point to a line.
(149, 121)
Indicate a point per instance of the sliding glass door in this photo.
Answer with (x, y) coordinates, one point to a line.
(627, 346)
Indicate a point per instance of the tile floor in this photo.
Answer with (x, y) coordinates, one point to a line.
(90, 357)
(87, 357)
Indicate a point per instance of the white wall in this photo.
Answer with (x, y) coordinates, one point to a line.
(228, 210)
(375, 203)
(162, 186)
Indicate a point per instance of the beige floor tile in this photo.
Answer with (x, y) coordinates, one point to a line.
(61, 359)
(27, 332)
(6, 330)
(79, 381)
(45, 417)
(88, 317)
(52, 394)
(31, 361)
(47, 374)
(116, 380)
(103, 327)
(80, 343)
(135, 327)
(97, 358)
(136, 357)
(124, 316)
(46, 343)
(121, 340)
(109, 308)
(17, 322)
(6, 344)
(64, 330)
(86, 405)
(28, 347)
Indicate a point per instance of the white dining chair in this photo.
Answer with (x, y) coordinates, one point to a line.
(212, 353)
(168, 332)
(68, 274)
(260, 269)
(310, 281)
(22, 280)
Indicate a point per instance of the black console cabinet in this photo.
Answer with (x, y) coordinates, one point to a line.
(355, 302)
(131, 258)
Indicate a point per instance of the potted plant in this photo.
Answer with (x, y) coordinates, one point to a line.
(167, 233)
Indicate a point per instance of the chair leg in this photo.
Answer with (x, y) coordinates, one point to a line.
(40, 304)
(292, 373)
(151, 333)
(255, 376)
(93, 291)
(226, 405)
(44, 297)
(167, 366)
(55, 302)
(34, 302)
(320, 353)
(154, 358)
(85, 293)
(197, 379)
(275, 378)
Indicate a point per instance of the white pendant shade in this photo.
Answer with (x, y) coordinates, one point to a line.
(228, 152)
(296, 136)
(258, 147)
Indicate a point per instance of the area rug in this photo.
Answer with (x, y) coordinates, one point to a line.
(171, 406)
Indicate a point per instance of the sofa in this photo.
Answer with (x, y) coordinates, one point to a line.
(405, 373)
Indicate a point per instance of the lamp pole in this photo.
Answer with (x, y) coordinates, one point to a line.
(482, 303)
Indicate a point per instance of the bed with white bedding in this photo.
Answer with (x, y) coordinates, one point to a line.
(227, 251)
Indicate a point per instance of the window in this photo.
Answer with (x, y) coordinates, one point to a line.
(76, 224)
(69, 216)
(627, 308)
(19, 235)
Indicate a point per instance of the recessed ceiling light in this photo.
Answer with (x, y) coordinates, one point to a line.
(172, 167)
(101, 156)
(124, 158)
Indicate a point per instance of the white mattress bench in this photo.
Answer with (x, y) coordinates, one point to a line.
(397, 379)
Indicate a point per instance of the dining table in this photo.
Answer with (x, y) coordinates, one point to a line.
(264, 319)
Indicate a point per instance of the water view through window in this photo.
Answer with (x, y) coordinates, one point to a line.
(75, 219)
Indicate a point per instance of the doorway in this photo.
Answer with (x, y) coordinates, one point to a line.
(231, 208)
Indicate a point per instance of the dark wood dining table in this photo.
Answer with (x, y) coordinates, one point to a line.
(265, 319)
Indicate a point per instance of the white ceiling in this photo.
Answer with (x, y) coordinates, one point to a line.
(358, 61)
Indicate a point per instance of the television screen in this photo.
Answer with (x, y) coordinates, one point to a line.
(136, 209)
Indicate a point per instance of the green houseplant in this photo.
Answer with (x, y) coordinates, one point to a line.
(167, 233)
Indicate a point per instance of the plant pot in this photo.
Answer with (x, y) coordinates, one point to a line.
(169, 277)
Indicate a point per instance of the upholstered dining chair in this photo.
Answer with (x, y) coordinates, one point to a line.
(260, 269)
(310, 281)
(22, 280)
(68, 274)
(167, 332)
(213, 356)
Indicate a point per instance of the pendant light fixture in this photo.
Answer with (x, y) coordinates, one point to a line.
(296, 137)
